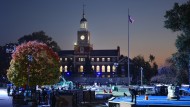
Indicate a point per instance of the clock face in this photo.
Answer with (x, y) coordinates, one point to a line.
(82, 37)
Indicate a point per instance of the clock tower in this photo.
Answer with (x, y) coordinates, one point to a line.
(83, 45)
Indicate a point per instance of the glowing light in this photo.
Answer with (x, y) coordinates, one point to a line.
(3, 92)
(98, 73)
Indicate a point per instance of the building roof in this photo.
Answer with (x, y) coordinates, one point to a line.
(83, 20)
(104, 53)
(66, 52)
(113, 52)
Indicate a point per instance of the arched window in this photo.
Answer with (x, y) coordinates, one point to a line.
(103, 68)
(81, 68)
(92, 67)
(97, 68)
(65, 68)
(61, 69)
(97, 59)
(65, 59)
(108, 68)
(103, 59)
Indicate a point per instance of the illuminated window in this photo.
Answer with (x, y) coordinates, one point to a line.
(71, 59)
(65, 59)
(108, 59)
(61, 69)
(92, 67)
(81, 68)
(92, 59)
(103, 68)
(108, 68)
(114, 68)
(98, 59)
(103, 59)
(65, 68)
(60, 59)
(97, 68)
(81, 59)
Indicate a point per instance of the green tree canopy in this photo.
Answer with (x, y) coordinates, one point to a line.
(151, 58)
(148, 70)
(35, 61)
(40, 37)
(183, 42)
(178, 18)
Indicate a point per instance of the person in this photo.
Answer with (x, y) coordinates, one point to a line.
(8, 90)
(133, 94)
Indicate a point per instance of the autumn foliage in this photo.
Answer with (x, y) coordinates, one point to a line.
(42, 68)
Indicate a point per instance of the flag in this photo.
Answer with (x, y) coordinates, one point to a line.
(131, 20)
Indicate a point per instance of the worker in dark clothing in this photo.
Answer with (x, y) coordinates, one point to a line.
(8, 90)
(133, 94)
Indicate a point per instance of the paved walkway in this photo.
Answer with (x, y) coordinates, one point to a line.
(5, 100)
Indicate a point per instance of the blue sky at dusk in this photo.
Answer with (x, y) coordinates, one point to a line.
(107, 23)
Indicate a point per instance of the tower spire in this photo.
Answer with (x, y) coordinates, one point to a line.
(83, 11)
(83, 21)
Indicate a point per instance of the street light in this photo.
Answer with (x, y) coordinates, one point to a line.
(141, 76)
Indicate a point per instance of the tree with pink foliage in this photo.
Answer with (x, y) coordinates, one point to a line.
(32, 64)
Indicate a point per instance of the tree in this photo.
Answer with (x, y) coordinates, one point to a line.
(40, 37)
(34, 61)
(148, 70)
(154, 69)
(151, 58)
(177, 19)
(166, 74)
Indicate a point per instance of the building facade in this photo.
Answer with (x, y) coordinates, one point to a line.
(85, 60)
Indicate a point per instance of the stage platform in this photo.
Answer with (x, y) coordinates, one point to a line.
(153, 101)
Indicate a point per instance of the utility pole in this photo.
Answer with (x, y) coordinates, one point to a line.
(141, 76)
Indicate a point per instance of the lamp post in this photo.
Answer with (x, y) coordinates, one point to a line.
(141, 75)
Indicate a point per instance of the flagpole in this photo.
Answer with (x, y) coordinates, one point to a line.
(129, 82)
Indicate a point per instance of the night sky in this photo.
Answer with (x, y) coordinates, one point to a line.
(107, 22)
